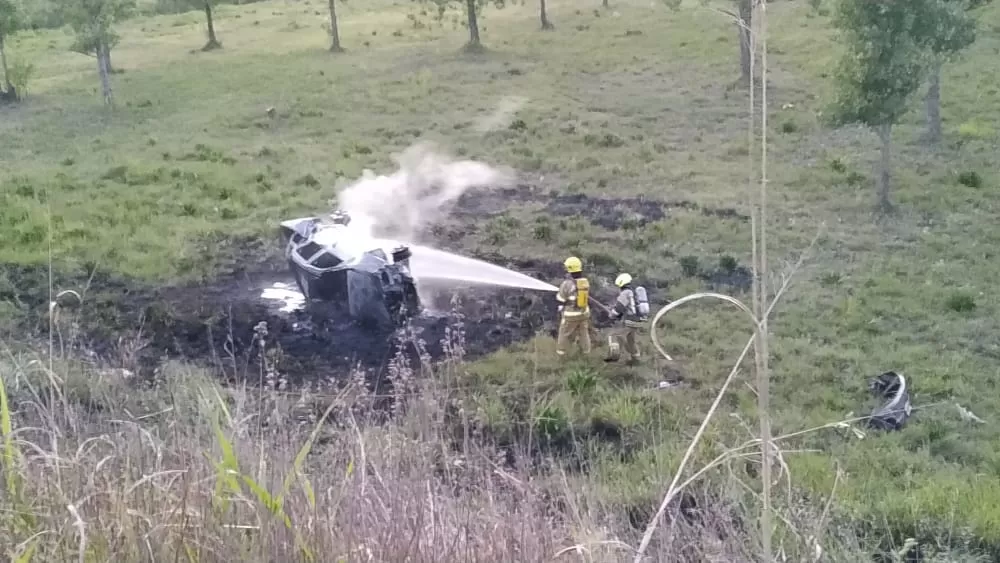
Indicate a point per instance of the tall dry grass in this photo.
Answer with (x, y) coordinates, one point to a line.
(100, 466)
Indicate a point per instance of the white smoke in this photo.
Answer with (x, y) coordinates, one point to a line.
(423, 191)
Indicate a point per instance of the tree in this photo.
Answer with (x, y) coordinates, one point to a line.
(93, 23)
(472, 9)
(213, 41)
(744, 22)
(10, 23)
(546, 24)
(208, 6)
(883, 67)
(334, 30)
(948, 30)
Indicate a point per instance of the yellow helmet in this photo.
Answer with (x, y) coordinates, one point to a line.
(623, 279)
(573, 265)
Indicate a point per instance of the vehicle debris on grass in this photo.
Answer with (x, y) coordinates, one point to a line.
(895, 412)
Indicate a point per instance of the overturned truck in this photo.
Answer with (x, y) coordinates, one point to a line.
(367, 279)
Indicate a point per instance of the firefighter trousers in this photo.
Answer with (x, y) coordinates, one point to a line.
(625, 336)
(573, 328)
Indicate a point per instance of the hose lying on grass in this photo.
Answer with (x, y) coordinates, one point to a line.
(694, 296)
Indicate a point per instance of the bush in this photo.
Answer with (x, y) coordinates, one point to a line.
(689, 265)
(838, 166)
(727, 264)
(855, 179)
(543, 232)
(20, 74)
(970, 179)
(961, 303)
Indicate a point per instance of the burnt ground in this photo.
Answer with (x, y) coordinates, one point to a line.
(126, 321)
(215, 324)
(610, 213)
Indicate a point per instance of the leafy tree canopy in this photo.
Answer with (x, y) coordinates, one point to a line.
(10, 18)
(443, 5)
(93, 21)
(947, 28)
(886, 58)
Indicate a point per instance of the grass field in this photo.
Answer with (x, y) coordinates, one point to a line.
(633, 101)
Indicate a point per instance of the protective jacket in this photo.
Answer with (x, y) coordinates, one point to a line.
(574, 298)
(628, 308)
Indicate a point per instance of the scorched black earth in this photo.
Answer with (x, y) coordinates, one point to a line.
(214, 324)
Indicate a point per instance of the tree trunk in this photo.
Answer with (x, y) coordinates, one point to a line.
(213, 41)
(606, 4)
(546, 24)
(934, 103)
(334, 29)
(473, 23)
(885, 174)
(3, 64)
(104, 70)
(743, 27)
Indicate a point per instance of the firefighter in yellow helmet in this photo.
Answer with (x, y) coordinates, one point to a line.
(632, 309)
(574, 308)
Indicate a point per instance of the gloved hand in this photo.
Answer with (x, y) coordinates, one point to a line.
(559, 310)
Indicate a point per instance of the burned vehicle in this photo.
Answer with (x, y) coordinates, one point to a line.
(369, 279)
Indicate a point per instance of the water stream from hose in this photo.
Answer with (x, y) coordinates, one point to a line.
(431, 264)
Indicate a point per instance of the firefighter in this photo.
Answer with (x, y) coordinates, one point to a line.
(574, 308)
(632, 309)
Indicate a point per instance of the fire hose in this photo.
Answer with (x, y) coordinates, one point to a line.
(694, 296)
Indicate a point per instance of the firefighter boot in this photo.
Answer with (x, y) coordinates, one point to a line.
(614, 350)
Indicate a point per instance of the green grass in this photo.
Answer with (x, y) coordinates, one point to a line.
(190, 157)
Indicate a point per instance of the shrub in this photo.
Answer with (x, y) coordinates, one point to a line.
(581, 383)
(308, 180)
(961, 302)
(689, 265)
(971, 179)
(543, 232)
(855, 179)
(20, 74)
(727, 264)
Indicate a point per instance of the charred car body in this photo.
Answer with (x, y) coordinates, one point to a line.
(368, 279)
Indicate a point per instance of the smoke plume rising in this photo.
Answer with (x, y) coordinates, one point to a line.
(421, 192)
